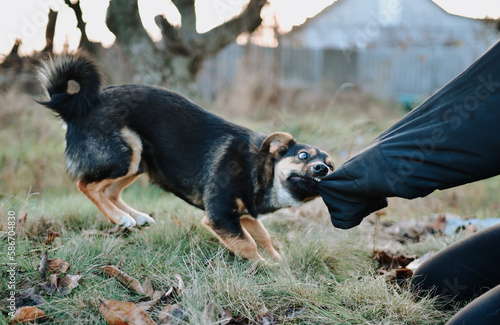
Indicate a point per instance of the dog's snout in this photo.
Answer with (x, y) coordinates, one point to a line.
(320, 169)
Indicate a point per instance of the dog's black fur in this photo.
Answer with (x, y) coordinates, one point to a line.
(215, 165)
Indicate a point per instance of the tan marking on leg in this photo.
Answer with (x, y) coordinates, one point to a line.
(241, 206)
(114, 192)
(95, 192)
(245, 247)
(135, 143)
(260, 235)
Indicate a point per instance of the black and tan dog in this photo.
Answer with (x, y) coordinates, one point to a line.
(233, 173)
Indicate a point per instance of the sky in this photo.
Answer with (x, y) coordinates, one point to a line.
(27, 19)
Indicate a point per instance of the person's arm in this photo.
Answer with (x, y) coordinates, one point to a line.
(451, 139)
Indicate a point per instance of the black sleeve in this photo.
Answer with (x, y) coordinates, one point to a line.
(451, 139)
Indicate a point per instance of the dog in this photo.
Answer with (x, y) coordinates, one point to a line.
(233, 173)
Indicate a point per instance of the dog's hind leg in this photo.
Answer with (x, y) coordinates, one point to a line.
(242, 244)
(95, 191)
(260, 235)
(114, 192)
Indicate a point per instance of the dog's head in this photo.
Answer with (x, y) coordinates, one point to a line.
(297, 169)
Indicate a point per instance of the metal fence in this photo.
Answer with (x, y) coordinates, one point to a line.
(387, 73)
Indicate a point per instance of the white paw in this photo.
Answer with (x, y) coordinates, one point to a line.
(127, 221)
(144, 220)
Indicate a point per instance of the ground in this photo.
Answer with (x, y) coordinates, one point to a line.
(328, 276)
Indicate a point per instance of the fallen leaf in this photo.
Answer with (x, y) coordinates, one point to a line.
(171, 314)
(265, 316)
(123, 313)
(58, 265)
(30, 298)
(62, 285)
(228, 319)
(170, 293)
(147, 305)
(147, 286)
(437, 226)
(181, 283)
(157, 295)
(51, 235)
(403, 273)
(388, 261)
(42, 269)
(28, 314)
(123, 278)
(416, 263)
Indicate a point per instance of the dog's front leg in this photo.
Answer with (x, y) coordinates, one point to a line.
(260, 234)
(242, 244)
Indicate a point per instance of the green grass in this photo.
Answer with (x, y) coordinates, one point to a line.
(327, 275)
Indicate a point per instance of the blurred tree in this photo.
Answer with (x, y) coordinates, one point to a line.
(182, 50)
(85, 43)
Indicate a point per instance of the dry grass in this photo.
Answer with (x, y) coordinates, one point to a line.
(327, 276)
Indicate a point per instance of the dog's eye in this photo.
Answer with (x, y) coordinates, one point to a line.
(303, 155)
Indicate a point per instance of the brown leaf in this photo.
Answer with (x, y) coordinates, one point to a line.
(170, 293)
(147, 305)
(58, 265)
(51, 235)
(228, 319)
(123, 313)
(147, 286)
(157, 295)
(28, 314)
(403, 273)
(62, 285)
(389, 262)
(169, 314)
(123, 278)
(42, 269)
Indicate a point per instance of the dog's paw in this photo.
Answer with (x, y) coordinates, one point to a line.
(126, 221)
(144, 220)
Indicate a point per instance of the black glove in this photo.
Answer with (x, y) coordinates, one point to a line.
(451, 139)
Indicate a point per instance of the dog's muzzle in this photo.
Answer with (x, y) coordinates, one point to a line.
(320, 170)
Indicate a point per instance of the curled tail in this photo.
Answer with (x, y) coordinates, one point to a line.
(54, 74)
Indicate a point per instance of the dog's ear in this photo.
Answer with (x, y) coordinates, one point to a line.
(277, 143)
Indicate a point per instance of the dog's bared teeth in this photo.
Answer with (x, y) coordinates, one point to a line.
(316, 179)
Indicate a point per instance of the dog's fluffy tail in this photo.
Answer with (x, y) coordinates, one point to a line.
(54, 74)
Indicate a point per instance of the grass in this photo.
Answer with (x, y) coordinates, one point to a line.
(327, 275)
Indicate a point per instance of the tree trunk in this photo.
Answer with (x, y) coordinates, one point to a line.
(176, 60)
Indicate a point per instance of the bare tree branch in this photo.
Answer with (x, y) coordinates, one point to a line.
(172, 38)
(217, 38)
(81, 24)
(188, 18)
(49, 31)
